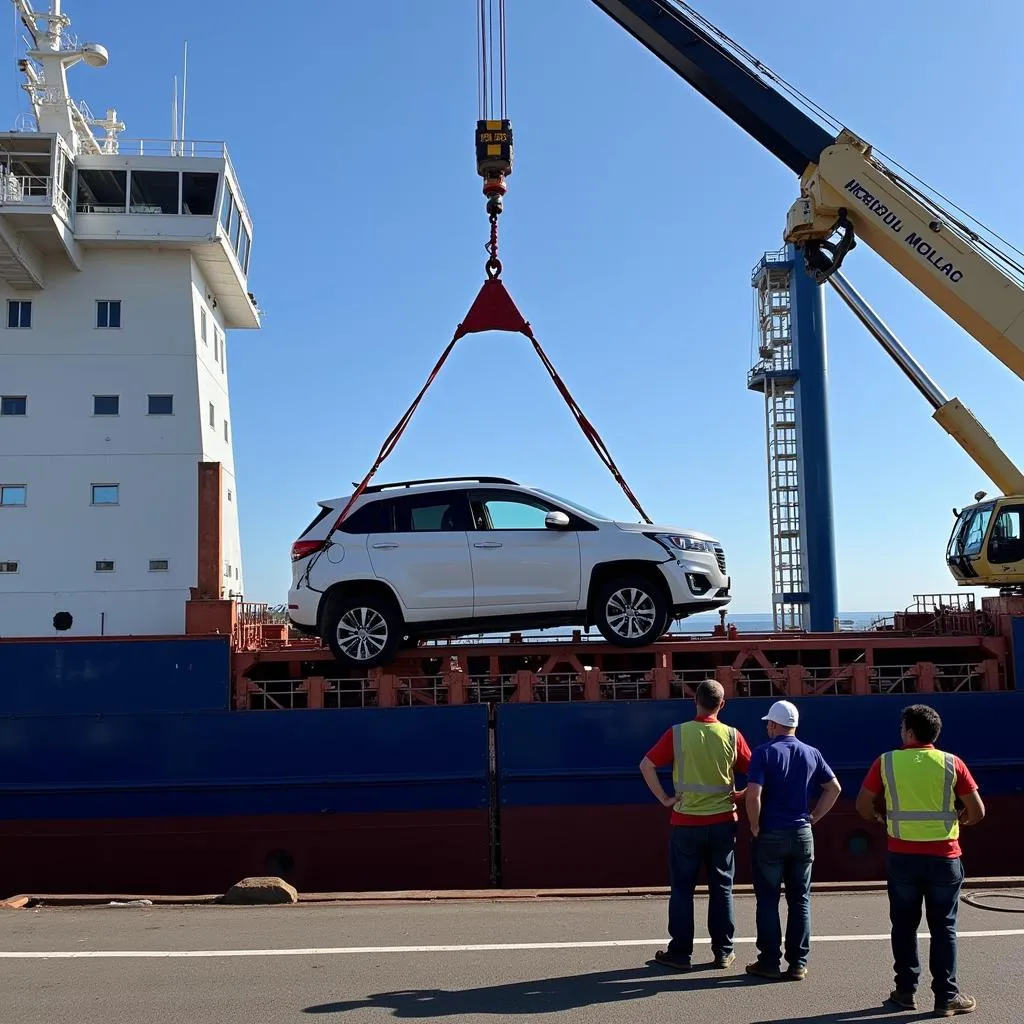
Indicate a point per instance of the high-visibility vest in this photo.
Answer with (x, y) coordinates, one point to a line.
(702, 768)
(919, 795)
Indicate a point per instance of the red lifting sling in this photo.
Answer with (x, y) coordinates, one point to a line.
(494, 310)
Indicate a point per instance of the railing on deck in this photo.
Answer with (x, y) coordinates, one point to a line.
(251, 620)
(937, 615)
(34, 190)
(377, 689)
(172, 147)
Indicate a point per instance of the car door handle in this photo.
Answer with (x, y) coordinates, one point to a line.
(487, 544)
(387, 547)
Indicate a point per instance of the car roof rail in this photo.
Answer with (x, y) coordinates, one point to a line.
(376, 488)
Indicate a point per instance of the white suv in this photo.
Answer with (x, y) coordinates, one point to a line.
(432, 558)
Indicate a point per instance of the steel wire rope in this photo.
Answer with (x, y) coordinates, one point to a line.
(481, 106)
(743, 58)
(504, 59)
(496, 56)
(488, 91)
(484, 69)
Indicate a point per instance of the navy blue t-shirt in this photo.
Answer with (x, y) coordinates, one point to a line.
(791, 774)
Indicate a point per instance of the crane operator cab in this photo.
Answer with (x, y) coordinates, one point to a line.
(986, 547)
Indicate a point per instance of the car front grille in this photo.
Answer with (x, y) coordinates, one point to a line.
(720, 555)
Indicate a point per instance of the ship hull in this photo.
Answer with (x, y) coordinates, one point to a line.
(111, 783)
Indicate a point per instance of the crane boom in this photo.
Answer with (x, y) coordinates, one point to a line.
(950, 413)
(847, 192)
(844, 186)
(739, 92)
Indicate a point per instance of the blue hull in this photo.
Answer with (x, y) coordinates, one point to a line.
(145, 781)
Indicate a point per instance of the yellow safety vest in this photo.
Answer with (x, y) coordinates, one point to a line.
(702, 768)
(919, 795)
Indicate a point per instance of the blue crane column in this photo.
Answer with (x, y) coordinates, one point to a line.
(793, 376)
(810, 357)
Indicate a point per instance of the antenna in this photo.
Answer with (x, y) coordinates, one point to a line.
(184, 86)
(174, 116)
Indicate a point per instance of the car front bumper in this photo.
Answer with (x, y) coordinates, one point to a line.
(697, 582)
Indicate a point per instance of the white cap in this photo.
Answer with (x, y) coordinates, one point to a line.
(783, 713)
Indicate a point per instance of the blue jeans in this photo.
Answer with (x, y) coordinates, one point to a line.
(714, 846)
(913, 878)
(783, 858)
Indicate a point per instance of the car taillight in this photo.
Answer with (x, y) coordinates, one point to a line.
(304, 548)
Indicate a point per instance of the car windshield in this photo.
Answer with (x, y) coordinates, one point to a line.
(574, 505)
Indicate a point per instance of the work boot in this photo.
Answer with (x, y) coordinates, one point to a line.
(796, 973)
(675, 962)
(905, 1000)
(723, 960)
(763, 971)
(958, 1004)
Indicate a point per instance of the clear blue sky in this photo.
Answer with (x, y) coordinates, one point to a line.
(635, 214)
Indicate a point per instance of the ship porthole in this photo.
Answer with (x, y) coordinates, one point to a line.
(278, 863)
(858, 843)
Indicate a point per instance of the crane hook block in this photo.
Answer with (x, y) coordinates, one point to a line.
(494, 159)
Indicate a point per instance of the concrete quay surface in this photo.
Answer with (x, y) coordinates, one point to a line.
(578, 960)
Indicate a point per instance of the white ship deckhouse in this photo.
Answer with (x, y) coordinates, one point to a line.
(123, 265)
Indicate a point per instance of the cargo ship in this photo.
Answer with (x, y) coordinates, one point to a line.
(160, 734)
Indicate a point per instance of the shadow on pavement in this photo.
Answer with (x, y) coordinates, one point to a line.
(883, 1012)
(544, 995)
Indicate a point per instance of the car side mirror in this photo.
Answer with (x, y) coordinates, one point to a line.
(556, 520)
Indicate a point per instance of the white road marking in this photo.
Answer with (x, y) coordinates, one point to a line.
(496, 947)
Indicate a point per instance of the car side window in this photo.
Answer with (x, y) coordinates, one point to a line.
(436, 512)
(508, 512)
(374, 517)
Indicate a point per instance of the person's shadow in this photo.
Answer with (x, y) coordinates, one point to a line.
(546, 995)
(884, 1012)
(552, 995)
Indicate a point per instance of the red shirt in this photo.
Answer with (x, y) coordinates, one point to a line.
(663, 753)
(940, 847)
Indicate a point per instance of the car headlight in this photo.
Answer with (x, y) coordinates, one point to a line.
(675, 543)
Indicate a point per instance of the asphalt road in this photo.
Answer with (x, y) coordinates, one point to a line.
(347, 968)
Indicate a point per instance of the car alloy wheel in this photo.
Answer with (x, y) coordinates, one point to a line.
(362, 633)
(631, 613)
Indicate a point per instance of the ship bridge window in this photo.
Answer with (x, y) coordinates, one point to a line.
(161, 405)
(28, 161)
(108, 313)
(227, 208)
(13, 405)
(19, 313)
(198, 193)
(235, 229)
(105, 494)
(8, 566)
(101, 191)
(155, 192)
(13, 495)
(244, 244)
(106, 405)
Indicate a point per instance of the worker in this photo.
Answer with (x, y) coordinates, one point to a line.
(705, 754)
(923, 861)
(785, 776)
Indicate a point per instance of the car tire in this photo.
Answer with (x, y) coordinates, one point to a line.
(380, 621)
(631, 610)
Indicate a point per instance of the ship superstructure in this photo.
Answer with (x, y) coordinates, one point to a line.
(123, 265)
